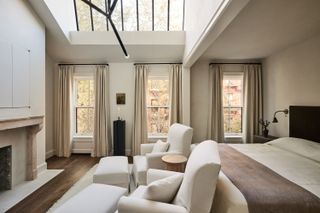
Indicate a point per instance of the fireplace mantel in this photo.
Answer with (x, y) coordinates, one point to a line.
(20, 122)
(33, 125)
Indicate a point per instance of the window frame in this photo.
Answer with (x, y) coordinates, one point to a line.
(159, 76)
(168, 11)
(235, 75)
(79, 76)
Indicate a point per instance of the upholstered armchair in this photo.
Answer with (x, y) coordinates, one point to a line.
(199, 179)
(179, 139)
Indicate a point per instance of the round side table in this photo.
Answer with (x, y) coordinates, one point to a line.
(175, 162)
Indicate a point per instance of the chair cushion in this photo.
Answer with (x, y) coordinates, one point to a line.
(200, 178)
(139, 192)
(179, 138)
(140, 169)
(163, 190)
(112, 170)
(98, 198)
(160, 146)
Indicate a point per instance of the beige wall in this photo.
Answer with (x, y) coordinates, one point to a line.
(199, 96)
(49, 105)
(291, 77)
(121, 81)
(199, 100)
(21, 26)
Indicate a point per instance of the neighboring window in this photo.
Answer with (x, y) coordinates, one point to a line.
(83, 106)
(158, 106)
(132, 15)
(233, 104)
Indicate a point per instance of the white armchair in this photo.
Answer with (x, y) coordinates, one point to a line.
(179, 139)
(199, 179)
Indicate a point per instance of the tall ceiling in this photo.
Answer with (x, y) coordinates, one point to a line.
(64, 45)
(264, 27)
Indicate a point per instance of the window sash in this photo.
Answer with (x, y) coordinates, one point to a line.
(158, 76)
(79, 76)
(76, 121)
(229, 121)
(230, 106)
(151, 134)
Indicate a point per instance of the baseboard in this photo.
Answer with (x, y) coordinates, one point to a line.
(41, 167)
(82, 151)
(50, 153)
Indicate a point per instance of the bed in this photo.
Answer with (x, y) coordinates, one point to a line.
(295, 158)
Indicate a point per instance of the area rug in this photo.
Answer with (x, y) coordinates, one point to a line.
(85, 181)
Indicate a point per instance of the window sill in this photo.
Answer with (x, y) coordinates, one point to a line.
(233, 136)
(154, 138)
(78, 138)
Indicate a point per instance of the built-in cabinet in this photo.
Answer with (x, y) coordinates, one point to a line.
(15, 74)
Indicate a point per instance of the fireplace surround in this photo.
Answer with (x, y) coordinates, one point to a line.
(32, 126)
(5, 168)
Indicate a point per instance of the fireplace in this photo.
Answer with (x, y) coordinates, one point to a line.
(5, 168)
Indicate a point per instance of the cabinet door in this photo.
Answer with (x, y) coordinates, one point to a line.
(20, 75)
(5, 74)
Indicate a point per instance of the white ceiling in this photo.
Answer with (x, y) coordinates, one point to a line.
(97, 47)
(264, 27)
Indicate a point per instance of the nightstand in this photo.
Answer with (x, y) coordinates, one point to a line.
(261, 139)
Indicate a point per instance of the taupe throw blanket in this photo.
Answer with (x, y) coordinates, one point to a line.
(265, 190)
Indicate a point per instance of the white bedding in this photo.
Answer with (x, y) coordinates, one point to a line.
(292, 164)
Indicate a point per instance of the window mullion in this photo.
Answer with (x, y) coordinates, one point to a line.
(168, 20)
(152, 15)
(91, 17)
(184, 7)
(76, 14)
(122, 24)
(137, 11)
(106, 9)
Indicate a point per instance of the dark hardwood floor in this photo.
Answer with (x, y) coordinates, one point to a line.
(43, 198)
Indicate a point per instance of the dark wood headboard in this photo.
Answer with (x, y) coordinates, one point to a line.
(304, 122)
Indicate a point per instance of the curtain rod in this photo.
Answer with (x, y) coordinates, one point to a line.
(154, 63)
(235, 63)
(82, 64)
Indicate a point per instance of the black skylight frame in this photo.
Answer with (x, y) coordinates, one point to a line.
(107, 7)
(108, 17)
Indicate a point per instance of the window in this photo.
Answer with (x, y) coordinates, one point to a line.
(233, 104)
(158, 106)
(132, 15)
(83, 106)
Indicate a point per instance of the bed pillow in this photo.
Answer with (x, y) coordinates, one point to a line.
(160, 146)
(305, 148)
(163, 190)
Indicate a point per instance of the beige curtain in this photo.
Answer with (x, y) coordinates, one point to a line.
(63, 137)
(140, 133)
(215, 119)
(102, 145)
(175, 81)
(252, 101)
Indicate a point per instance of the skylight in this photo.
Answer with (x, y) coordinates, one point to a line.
(132, 15)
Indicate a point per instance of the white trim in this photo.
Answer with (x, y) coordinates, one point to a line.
(50, 153)
(224, 15)
(206, 30)
(41, 168)
(82, 151)
(82, 139)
